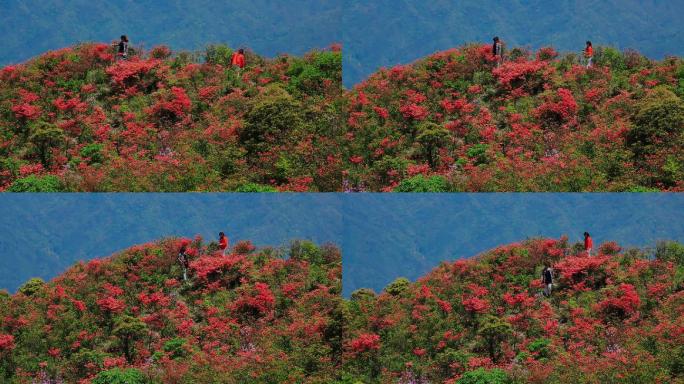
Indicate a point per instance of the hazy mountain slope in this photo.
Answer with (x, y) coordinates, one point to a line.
(387, 33)
(459, 121)
(614, 317)
(30, 28)
(44, 234)
(388, 236)
(266, 314)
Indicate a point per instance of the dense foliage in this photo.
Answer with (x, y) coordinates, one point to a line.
(257, 315)
(77, 120)
(617, 317)
(454, 121)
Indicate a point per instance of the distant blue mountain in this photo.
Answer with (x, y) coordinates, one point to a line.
(389, 32)
(382, 236)
(269, 27)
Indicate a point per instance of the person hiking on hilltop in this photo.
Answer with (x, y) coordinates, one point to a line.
(122, 48)
(223, 243)
(588, 243)
(589, 54)
(183, 258)
(497, 50)
(238, 59)
(547, 280)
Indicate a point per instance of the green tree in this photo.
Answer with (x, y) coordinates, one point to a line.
(431, 137)
(32, 286)
(658, 122)
(398, 286)
(218, 54)
(128, 329)
(274, 116)
(44, 136)
(494, 331)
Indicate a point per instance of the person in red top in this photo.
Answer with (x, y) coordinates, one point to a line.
(223, 243)
(589, 54)
(238, 59)
(588, 243)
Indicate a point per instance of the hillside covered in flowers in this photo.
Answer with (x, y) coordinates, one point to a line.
(256, 315)
(615, 317)
(455, 121)
(78, 120)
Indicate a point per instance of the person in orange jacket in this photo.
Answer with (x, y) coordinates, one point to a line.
(588, 243)
(589, 54)
(238, 59)
(223, 243)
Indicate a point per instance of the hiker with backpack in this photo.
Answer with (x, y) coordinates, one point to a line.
(183, 258)
(589, 54)
(238, 59)
(547, 280)
(223, 243)
(588, 243)
(122, 48)
(497, 51)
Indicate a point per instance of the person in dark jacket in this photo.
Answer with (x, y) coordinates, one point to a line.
(122, 48)
(497, 50)
(547, 280)
(183, 258)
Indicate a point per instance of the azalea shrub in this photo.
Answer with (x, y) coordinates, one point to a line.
(539, 122)
(261, 315)
(78, 120)
(617, 317)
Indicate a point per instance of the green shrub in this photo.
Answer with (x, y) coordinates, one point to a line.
(398, 286)
(32, 286)
(120, 376)
(33, 183)
(93, 152)
(670, 251)
(484, 376)
(308, 75)
(274, 115)
(362, 294)
(420, 183)
(658, 123)
(218, 54)
(478, 153)
(540, 347)
(254, 187)
(175, 347)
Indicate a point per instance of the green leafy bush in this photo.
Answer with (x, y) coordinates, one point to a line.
(34, 183)
(420, 183)
(120, 376)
